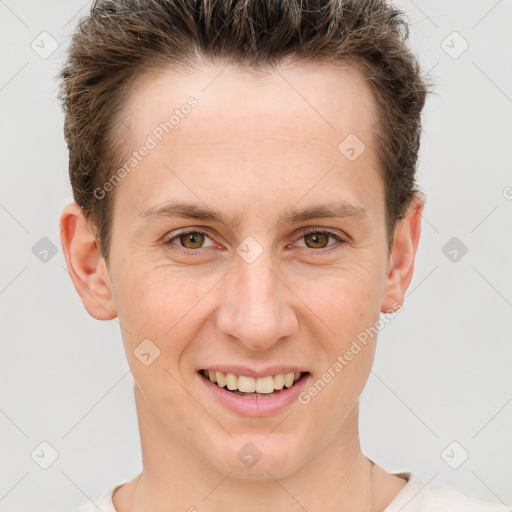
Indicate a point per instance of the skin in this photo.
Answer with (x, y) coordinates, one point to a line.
(254, 148)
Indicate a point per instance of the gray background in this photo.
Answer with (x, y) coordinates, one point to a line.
(442, 368)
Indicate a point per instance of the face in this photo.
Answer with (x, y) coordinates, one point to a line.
(249, 240)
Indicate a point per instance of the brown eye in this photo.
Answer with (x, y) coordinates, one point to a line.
(323, 242)
(194, 238)
(189, 242)
(317, 240)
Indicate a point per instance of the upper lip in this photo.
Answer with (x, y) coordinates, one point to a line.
(249, 372)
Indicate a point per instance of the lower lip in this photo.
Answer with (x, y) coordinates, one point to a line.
(256, 406)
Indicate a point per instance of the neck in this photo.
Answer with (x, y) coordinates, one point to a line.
(337, 477)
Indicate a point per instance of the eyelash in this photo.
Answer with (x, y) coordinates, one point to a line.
(324, 250)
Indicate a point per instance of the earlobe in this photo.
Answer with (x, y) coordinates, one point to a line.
(403, 254)
(85, 264)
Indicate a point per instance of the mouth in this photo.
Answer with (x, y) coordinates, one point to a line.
(251, 387)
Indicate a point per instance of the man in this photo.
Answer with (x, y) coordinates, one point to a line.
(245, 204)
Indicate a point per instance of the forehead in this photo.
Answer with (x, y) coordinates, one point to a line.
(274, 131)
(318, 100)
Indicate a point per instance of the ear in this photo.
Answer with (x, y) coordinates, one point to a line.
(86, 266)
(403, 253)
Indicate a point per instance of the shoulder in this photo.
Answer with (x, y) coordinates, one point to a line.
(417, 496)
(104, 503)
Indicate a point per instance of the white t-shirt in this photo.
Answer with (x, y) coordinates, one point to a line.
(415, 496)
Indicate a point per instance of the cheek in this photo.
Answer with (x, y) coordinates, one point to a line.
(155, 310)
(157, 305)
(347, 304)
(155, 297)
(346, 350)
(346, 298)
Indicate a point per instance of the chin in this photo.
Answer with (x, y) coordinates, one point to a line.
(255, 458)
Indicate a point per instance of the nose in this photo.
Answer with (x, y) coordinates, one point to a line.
(257, 306)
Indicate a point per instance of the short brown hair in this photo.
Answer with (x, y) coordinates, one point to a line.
(122, 40)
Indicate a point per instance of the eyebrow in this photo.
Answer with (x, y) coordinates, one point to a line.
(185, 210)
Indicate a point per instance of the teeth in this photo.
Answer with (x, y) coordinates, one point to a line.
(221, 379)
(264, 385)
(279, 381)
(247, 384)
(231, 381)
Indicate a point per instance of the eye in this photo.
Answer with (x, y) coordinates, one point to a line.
(188, 241)
(319, 239)
(192, 240)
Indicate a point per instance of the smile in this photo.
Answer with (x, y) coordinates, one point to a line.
(251, 386)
